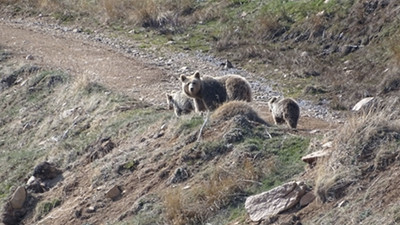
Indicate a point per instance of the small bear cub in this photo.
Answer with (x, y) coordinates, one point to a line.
(285, 110)
(180, 103)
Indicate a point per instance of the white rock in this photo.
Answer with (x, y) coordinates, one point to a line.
(328, 144)
(314, 156)
(29, 57)
(362, 103)
(304, 54)
(268, 204)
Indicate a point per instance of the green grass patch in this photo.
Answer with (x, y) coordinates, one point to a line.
(45, 208)
(283, 154)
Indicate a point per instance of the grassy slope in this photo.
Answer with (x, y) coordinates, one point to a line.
(49, 116)
(268, 38)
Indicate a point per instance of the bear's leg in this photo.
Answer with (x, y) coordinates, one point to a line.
(278, 120)
(291, 122)
(199, 105)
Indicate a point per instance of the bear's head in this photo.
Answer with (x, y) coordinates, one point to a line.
(191, 85)
(271, 102)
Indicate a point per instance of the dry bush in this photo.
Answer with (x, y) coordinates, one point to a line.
(173, 206)
(150, 13)
(269, 27)
(368, 141)
(216, 191)
(390, 83)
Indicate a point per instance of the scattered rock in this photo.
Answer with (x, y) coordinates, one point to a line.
(347, 49)
(307, 199)
(315, 131)
(77, 30)
(180, 175)
(114, 192)
(304, 54)
(29, 57)
(328, 144)
(226, 65)
(343, 203)
(183, 69)
(268, 204)
(18, 198)
(312, 73)
(363, 104)
(314, 156)
(100, 148)
(91, 209)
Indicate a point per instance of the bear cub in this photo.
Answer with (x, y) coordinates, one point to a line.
(209, 92)
(284, 110)
(180, 103)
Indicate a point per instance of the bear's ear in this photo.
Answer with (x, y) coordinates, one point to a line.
(168, 96)
(197, 75)
(273, 99)
(183, 78)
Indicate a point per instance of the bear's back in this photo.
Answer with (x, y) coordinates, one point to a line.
(237, 87)
(212, 92)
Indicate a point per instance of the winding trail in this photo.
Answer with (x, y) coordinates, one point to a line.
(122, 66)
(84, 59)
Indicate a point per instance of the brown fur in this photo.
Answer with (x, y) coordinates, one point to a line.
(210, 92)
(285, 111)
(233, 108)
(180, 103)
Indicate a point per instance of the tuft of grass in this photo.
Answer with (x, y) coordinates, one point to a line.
(200, 203)
(45, 208)
(366, 143)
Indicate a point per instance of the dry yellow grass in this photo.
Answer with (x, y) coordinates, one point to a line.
(195, 205)
(366, 142)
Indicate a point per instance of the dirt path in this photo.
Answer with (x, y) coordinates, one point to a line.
(85, 59)
(144, 77)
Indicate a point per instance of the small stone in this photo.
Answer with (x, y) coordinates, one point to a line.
(363, 104)
(114, 192)
(18, 198)
(304, 54)
(29, 57)
(91, 209)
(307, 199)
(183, 69)
(343, 203)
(328, 144)
(314, 156)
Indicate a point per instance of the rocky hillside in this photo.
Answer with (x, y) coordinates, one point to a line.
(86, 138)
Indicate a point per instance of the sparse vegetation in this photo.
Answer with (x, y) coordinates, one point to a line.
(45, 207)
(333, 52)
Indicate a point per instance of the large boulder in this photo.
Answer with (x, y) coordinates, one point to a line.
(268, 204)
